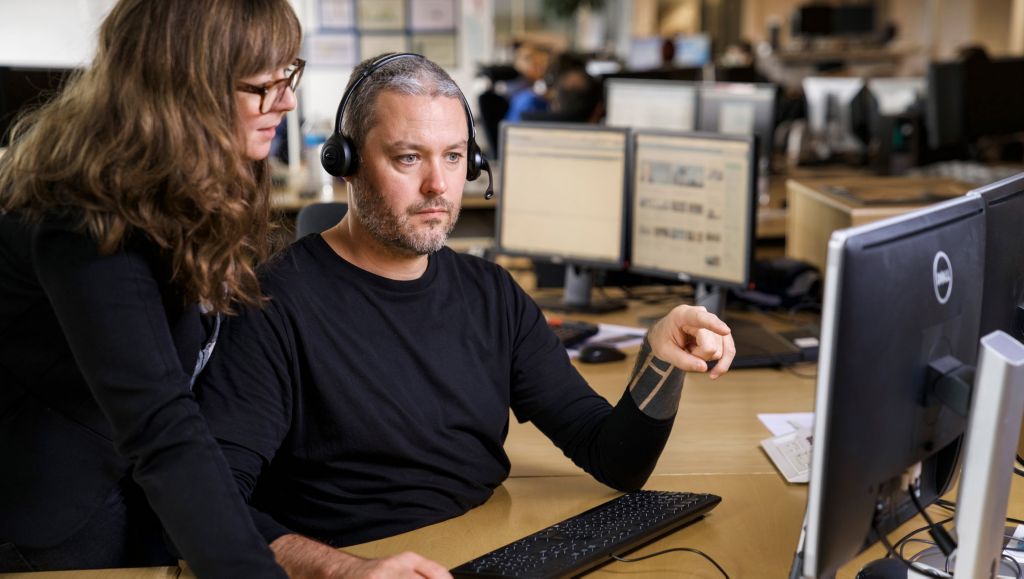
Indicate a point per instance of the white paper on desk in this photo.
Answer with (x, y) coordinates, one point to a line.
(783, 423)
(618, 336)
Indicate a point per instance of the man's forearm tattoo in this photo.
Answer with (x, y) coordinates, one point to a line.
(655, 384)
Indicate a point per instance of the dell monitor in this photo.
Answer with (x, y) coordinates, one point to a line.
(741, 109)
(23, 88)
(651, 104)
(902, 305)
(563, 200)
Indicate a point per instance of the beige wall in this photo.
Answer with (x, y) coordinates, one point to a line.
(665, 17)
(758, 14)
(679, 17)
(645, 18)
(1017, 28)
(991, 24)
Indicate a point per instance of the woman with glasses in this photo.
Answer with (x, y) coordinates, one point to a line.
(133, 209)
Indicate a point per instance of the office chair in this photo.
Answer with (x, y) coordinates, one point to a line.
(318, 217)
(493, 108)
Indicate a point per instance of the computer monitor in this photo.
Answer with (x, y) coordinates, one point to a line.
(970, 100)
(692, 207)
(944, 106)
(895, 95)
(997, 399)
(1004, 257)
(997, 404)
(853, 19)
(651, 104)
(645, 53)
(830, 101)
(741, 109)
(563, 200)
(812, 20)
(692, 50)
(23, 88)
(901, 310)
(992, 101)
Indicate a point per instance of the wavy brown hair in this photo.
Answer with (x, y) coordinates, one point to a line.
(148, 141)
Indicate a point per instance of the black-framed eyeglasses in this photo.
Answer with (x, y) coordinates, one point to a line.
(272, 92)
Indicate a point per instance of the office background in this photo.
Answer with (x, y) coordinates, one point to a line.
(60, 33)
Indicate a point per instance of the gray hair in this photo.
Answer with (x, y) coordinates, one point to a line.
(407, 75)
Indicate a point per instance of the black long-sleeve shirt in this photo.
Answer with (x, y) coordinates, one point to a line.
(355, 407)
(96, 356)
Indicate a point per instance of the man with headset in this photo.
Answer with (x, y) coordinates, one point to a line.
(371, 395)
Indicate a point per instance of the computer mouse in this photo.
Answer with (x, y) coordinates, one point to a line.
(598, 353)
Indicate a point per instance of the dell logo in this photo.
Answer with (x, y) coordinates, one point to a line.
(942, 277)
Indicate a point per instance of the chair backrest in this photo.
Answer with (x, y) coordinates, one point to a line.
(493, 108)
(319, 217)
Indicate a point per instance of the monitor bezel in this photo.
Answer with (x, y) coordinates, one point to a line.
(499, 223)
(752, 156)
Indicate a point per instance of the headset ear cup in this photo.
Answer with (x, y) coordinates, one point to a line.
(338, 156)
(351, 159)
(474, 161)
(333, 156)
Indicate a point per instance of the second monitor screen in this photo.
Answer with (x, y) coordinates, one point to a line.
(693, 207)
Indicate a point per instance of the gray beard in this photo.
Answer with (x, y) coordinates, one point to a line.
(394, 232)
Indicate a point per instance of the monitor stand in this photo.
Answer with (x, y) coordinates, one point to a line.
(997, 404)
(756, 346)
(576, 297)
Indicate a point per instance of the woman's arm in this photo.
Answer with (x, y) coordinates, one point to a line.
(110, 310)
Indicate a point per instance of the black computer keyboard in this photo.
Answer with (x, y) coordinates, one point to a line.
(572, 333)
(582, 542)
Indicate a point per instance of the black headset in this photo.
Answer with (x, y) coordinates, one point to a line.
(339, 155)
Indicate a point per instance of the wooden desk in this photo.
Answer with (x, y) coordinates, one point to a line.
(819, 206)
(716, 430)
